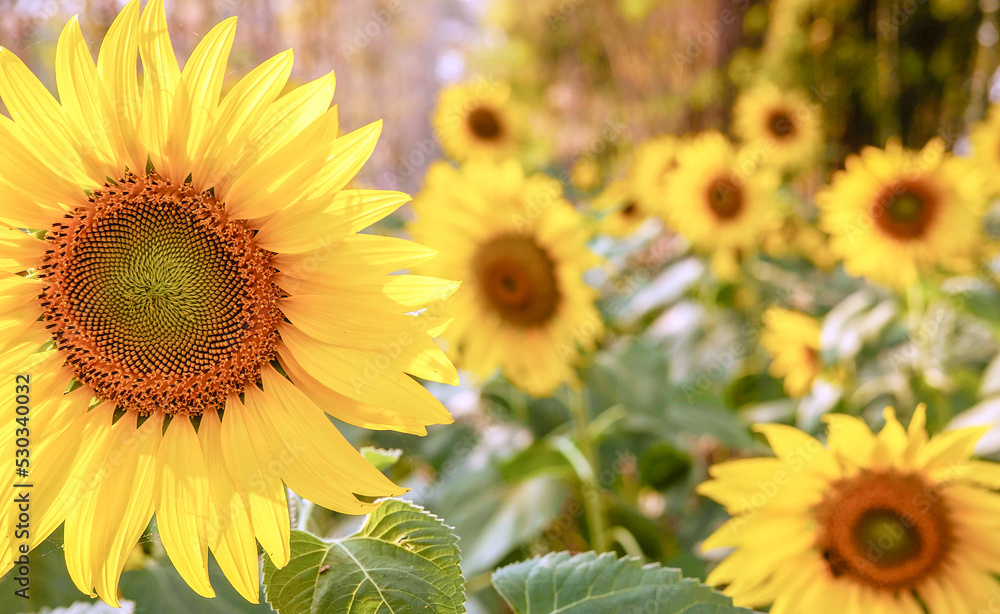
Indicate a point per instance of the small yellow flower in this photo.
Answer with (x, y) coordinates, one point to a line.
(792, 338)
(477, 119)
(780, 125)
(718, 197)
(870, 523)
(520, 249)
(654, 162)
(619, 209)
(895, 213)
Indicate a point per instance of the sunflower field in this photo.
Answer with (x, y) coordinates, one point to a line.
(489, 306)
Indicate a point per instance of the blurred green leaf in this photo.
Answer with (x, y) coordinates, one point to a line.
(403, 560)
(661, 465)
(48, 581)
(380, 458)
(493, 516)
(587, 583)
(157, 588)
(538, 458)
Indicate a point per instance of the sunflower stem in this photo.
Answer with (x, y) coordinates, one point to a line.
(596, 524)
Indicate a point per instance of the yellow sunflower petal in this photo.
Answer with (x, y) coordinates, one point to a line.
(83, 96)
(197, 97)
(299, 229)
(237, 118)
(249, 459)
(160, 77)
(292, 113)
(366, 376)
(230, 530)
(53, 137)
(182, 503)
(116, 64)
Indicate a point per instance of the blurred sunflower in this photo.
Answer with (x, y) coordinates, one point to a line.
(655, 160)
(986, 150)
(792, 338)
(895, 213)
(718, 198)
(477, 119)
(782, 124)
(619, 209)
(520, 248)
(176, 295)
(869, 524)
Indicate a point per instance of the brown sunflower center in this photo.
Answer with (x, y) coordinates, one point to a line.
(884, 529)
(780, 125)
(725, 198)
(517, 278)
(905, 210)
(157, 300)
(485, 124)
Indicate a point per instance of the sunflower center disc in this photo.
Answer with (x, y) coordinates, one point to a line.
(485, 124)
(886, 530)
(725, 198)
(781, 125)
(159, 302)
(904, 211)
(517, 279)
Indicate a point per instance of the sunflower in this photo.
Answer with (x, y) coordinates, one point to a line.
(654, 162)
(792, 338)
(477, 119)
(868, 524)
(520, 248)
(619, 208)
(192, 299)
(895, 213)
(718, 197)
(986, 150)
(781, 124)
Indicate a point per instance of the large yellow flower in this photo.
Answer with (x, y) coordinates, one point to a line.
(201, 294)
(792, 338)
(895, 213)
(477, 119)
(868, 524)
(719, 197)
(520, 249)
(986, 150)
(781, 125)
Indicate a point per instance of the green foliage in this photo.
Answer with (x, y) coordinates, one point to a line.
(157, 588)
(403, 560)
(381, 459)
(587, 583)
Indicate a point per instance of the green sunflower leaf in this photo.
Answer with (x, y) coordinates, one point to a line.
(587, 583)
(403, 560)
